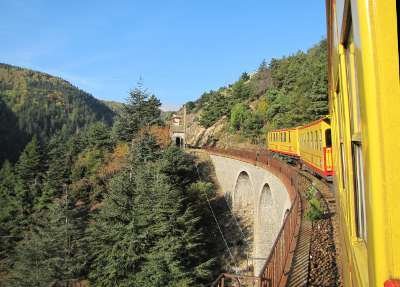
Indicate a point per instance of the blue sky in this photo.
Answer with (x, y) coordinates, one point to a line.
(180, 48)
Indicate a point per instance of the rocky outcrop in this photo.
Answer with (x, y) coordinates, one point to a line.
(197, 135)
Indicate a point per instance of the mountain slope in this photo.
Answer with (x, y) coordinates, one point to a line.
(286, 92)
(35, 103)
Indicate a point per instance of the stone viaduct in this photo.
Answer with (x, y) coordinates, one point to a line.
(258, 196)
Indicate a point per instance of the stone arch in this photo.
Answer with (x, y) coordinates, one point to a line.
(268, 224)
(243, 195)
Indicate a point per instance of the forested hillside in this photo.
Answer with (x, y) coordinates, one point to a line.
(282, 93)
(35, 103)
(98, 205)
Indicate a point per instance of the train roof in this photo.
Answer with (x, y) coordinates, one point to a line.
(326, 119)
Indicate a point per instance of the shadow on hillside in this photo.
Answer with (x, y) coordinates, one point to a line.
(12, 139)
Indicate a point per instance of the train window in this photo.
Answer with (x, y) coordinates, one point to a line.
(328, 138)
(289, 135)
(316, 140)
(320, 140)
(312, 140)
(356, 140)
(354, 102)
(340, 122)
(360, 191)
(344, 170)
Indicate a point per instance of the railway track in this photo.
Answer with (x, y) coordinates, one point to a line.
(326, 191)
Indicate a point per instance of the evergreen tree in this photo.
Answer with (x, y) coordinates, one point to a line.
(144, 149)
(98, 136)
(30, 165)
(147, 231)
(9, 213)
(142, 109)
(53, 251)
(27, 183)
(59, 164)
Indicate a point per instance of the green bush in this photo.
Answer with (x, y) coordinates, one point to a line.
(315, 209)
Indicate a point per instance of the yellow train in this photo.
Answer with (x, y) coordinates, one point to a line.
(364, 96)
(310, 144)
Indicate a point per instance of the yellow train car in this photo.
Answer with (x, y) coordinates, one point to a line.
(315, 147)
(284, 141)
(364, 96)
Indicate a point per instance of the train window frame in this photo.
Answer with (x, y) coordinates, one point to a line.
(357, 157)
(320, 140)
(313, 139)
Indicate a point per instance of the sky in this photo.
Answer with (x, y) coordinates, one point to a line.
(179, 48)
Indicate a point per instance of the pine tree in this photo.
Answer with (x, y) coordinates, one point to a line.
(30, 165)
(53, 250)
(98, 136)
(29, 173)
(142, 109)
(9, 214)
(119, 230)
(59, 164)
(147, 231)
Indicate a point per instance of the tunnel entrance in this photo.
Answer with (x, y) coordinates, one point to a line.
(179, 142)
